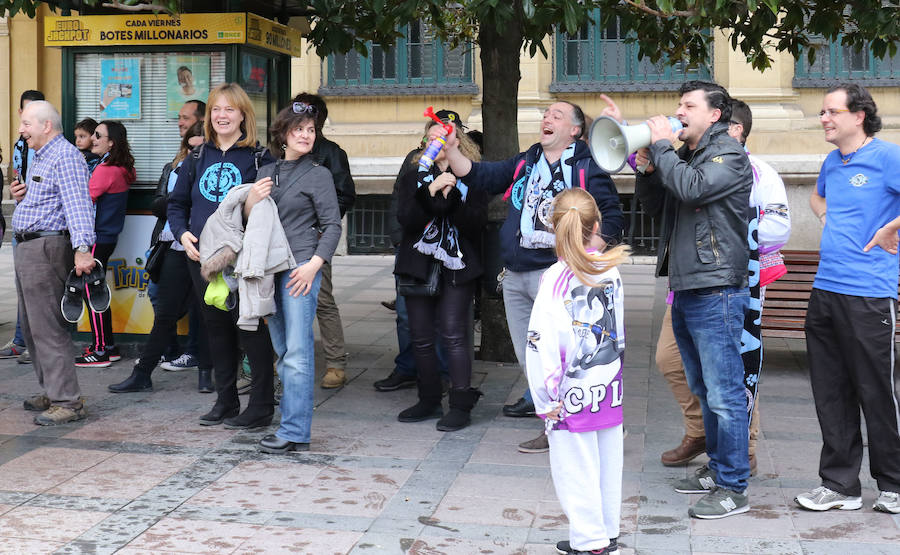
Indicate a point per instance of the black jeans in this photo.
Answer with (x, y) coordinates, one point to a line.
(225, 343)
(450, 310)
(850, 347)
(175, 293)
(101, 322)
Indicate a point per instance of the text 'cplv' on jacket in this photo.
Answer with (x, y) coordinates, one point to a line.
(257, 250)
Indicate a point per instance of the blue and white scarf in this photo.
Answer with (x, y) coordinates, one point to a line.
(543, 185)
(441, 239)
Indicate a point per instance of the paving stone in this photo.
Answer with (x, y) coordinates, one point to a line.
(140, 476)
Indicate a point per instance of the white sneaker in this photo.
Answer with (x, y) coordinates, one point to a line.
(888, 502)
(822, 499)
(184, 362)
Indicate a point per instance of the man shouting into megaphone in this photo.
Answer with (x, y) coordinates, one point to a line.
(702, 190)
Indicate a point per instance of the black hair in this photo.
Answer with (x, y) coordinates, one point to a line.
(120, 152)
(716, 96)
(30, 95)
(740, 113)
(577, 118)
(319, 103)
(88, 124)
(286, 121)
(200, 113)
(859, 100)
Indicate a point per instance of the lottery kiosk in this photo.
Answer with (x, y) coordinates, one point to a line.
(140, 69)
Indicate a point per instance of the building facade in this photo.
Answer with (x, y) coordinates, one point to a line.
(376, 102)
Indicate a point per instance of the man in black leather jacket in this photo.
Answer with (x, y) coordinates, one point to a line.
(703, 191)
(333, 157)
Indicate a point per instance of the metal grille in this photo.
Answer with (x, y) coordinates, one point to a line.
(599, 58)
(368, 225)
(641, 231)
(836, 61)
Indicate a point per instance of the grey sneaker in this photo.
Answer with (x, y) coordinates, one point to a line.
(540, 444)
(37, 403)
(719, 503)
(24, 358)
(822, 499)
(888, 502)
(702, 481)
(59, 415)
(11, 350)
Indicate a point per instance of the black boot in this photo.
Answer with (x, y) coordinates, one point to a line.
(218, 414)
(204, 380)
(254, 416)
(429, 405)
(137, 381)
(423, 410)
(461, 403)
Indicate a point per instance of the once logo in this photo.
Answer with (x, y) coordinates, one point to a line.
(218, 179)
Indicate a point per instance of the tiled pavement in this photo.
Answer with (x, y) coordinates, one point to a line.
(139, 476)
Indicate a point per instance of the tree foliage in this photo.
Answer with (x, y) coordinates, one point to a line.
(675, 30)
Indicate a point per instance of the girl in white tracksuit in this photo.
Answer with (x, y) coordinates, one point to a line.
(576, 343)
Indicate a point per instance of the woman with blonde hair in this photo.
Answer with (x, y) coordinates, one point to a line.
(442, 222)
(576, 345)
(229, 157)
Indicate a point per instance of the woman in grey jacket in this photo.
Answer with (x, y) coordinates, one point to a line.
(307, 204)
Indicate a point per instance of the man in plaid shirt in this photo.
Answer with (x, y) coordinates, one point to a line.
(53, 219)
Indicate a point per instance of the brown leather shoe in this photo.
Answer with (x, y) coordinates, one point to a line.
(333, 378)
(690, 448)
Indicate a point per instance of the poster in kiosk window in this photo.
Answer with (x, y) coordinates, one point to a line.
(187, 78)
(120, 88)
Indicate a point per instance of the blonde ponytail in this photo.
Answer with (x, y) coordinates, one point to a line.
(573, 219)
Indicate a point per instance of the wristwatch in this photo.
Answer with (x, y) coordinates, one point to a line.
(83, 248)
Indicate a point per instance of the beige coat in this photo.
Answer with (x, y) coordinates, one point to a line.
(257, 251)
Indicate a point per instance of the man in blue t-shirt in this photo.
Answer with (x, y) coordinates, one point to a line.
(852, 310)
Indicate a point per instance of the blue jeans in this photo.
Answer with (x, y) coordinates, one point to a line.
(708, 324)
(405, 362)
(292, 338)
(18, 338)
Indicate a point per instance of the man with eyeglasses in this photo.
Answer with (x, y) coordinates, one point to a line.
(702, 191)
(333, 157)
(851, 319)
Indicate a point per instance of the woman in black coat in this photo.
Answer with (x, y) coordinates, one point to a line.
(442, 222)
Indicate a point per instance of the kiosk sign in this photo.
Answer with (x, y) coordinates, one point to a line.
(145, 29)
(161, 29)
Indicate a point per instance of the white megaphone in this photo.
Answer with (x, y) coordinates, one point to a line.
(612, 143)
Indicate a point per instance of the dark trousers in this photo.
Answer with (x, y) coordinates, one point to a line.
(101, 322)
(225, 343)
(450, 309)
(41, 268)
(850, 347)
(175, 293)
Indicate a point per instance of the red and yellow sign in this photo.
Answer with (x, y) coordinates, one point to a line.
(162, 29)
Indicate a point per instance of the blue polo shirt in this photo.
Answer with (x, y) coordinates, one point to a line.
(863, 195)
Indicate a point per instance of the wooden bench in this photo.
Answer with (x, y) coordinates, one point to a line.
(784, 308)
